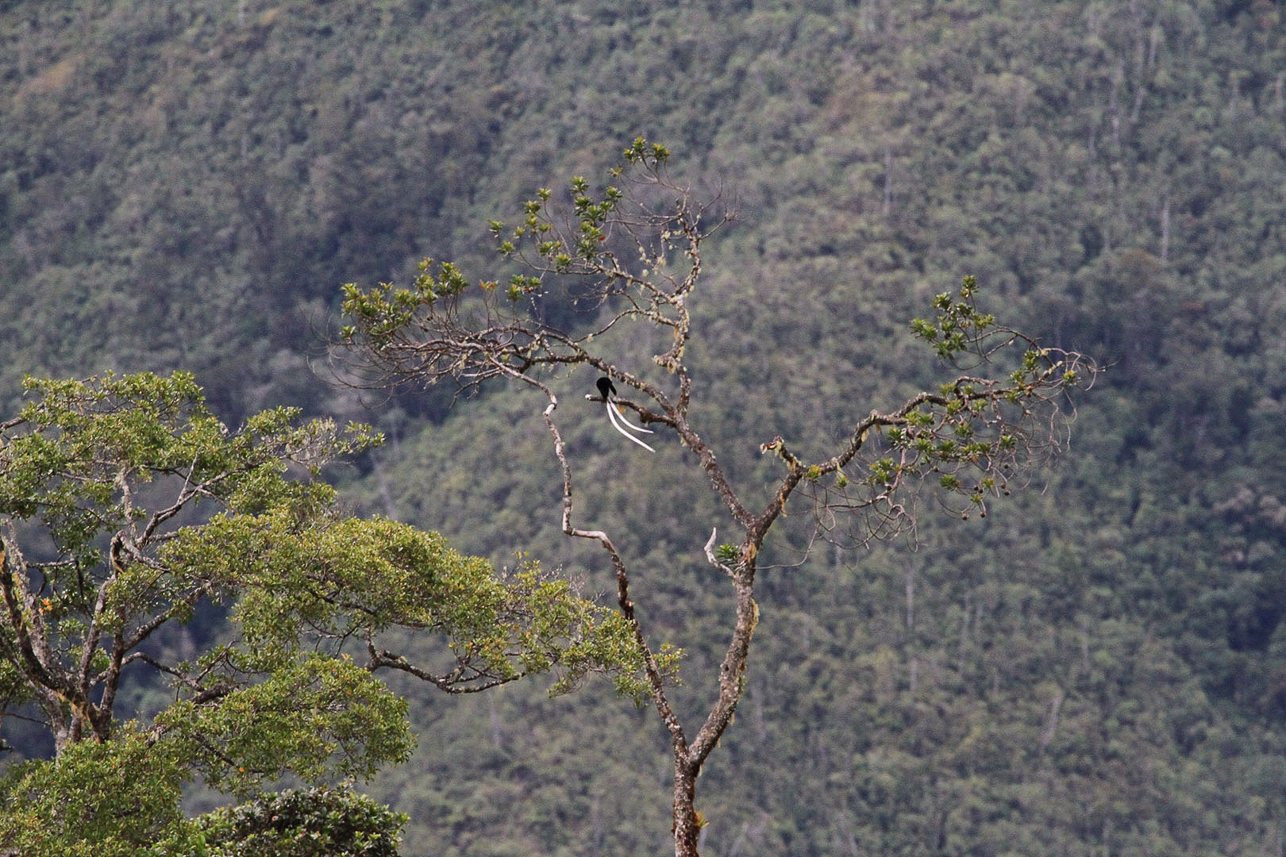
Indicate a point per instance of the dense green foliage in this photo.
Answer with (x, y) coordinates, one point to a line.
(122, 798)
(102, 552)
(109, 799)
(319, 822)
(1095, 666)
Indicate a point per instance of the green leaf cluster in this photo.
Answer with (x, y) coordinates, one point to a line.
(317, 822)
(314, 716)
(114, 799)
(959, 326)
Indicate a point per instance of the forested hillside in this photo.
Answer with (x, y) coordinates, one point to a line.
(1098, 667)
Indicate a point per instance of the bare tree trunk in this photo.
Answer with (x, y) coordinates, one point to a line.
(687, 828)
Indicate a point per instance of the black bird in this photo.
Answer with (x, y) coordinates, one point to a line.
(615, 412)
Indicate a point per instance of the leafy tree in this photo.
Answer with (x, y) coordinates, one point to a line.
(103, 551)
(319, 822)
(637, 253)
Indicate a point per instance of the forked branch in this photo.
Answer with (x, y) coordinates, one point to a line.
(638, 249)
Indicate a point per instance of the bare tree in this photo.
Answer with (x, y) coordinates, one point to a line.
(637, 252)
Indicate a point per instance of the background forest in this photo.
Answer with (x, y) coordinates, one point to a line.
(1098, 667)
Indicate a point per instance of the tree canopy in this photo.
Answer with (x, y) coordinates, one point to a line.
(105, 551)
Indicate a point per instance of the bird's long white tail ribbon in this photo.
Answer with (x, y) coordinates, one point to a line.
(621, 416)
(612, 415)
